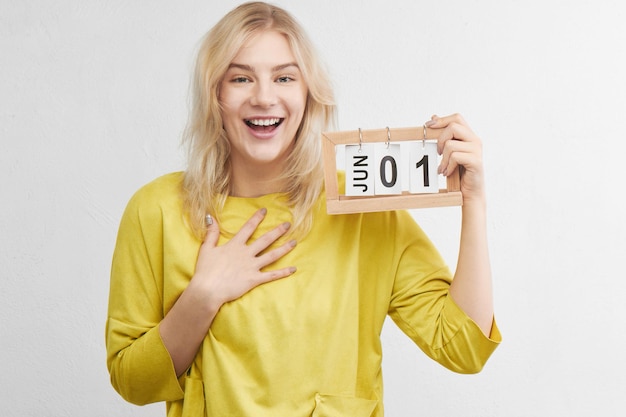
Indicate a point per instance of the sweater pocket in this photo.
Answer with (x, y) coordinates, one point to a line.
(341, 406)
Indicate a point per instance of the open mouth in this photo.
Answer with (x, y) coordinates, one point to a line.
(264, 125)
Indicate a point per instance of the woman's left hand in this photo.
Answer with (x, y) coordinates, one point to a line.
(460, 147)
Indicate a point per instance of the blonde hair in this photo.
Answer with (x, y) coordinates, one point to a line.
(207, 178)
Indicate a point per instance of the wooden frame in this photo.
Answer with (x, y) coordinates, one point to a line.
(339, 204)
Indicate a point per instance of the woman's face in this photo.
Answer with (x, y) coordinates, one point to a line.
(263, 97)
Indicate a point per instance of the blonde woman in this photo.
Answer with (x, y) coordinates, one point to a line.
(233, 293)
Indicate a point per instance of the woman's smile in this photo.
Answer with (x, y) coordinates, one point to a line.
(264, 128)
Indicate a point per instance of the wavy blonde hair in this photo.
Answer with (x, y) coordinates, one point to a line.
(207, 179)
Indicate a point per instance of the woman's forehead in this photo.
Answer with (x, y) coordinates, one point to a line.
(268, 48)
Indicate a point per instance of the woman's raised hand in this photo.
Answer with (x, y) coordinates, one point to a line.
(460, 147)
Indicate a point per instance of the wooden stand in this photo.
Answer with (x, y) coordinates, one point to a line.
(339, 204)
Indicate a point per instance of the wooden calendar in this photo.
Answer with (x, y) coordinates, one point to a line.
(375, 170)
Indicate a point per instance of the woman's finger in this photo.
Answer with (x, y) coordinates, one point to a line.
(212, 231)
(275, 274)
(275, 254)
(455, 152)
(249, 227)
(455, 131)
(438, 122)
(270, 237)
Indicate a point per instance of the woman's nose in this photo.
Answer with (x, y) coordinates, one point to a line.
(264, 94)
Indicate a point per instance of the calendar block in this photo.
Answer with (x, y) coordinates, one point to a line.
(360, 170)
(388, 171)
(423, 177)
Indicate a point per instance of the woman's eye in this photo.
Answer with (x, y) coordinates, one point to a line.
(284, 79)
(240, 80)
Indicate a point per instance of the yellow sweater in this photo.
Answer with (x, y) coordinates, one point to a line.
(307, 345)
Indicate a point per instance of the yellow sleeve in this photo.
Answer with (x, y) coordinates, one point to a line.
(423, 309)
(140, 366)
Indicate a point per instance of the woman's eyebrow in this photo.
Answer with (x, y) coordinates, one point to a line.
(274, 69)
(283, 66)
(241, 66)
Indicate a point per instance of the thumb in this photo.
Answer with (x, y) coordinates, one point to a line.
(433, 122)
(212, 231)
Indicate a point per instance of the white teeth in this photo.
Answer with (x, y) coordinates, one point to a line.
(263, 122)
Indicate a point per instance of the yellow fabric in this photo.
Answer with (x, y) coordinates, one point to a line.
(307, 345)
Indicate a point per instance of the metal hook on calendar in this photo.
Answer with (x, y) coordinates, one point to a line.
(424, 140)
(360, 140)
(388, 137)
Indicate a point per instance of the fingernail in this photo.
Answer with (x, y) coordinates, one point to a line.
(430, 123)
(286, 225)
(208, 220)
(263, 211)
(292, 269)
(292, 243)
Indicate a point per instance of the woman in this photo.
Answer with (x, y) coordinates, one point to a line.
(267, 306)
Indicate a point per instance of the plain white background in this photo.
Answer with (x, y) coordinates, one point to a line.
(93, 102)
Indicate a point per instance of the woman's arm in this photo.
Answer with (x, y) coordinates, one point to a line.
(471, 288)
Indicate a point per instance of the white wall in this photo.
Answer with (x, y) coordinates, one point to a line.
(92, 103)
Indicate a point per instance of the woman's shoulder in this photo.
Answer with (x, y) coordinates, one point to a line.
(162, 191)
(162, 186)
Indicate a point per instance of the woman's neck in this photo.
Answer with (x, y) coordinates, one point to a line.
(256, 181)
